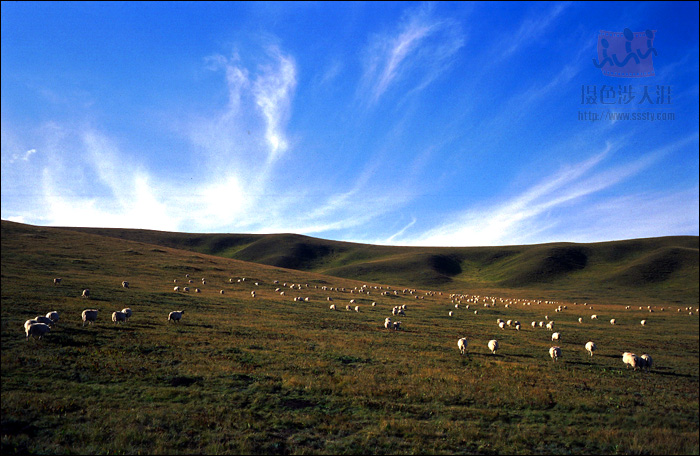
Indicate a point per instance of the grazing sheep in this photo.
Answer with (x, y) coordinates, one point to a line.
(550, 325)
(397, 325)
(118, 317)
(176, 288)
(591, 347)
(387, 323)
(37, 329)
(502, 325)
(89, 316)
(630, 359)
(357, 308)
(493, 346)
(517, 327)
(509, 322)
(175, 315)
(125, 284)
(127, 312)
(534, 324)
(644, 322)
(45, 320)
(332, 307)
(462, 345)
(57, 281)
(348, 308)
(645, 362)
(374, 304)
(555, 353)
(86, 293)
(252, 294)
(612, 321)
(594, 317)
(221, 291)
(197, 290)
(186, 289)
(450, 313)
(555, 336)
(580, 320)
(28, 323)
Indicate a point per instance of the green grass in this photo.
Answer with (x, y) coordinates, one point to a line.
(272, 376)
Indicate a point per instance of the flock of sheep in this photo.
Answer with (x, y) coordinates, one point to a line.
(40, 326)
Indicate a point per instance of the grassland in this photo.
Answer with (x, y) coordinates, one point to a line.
(268, 375)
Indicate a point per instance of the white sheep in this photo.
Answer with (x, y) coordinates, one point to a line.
(357, 308)
(332, 306)
(125, 284)
(127, 312)
(555, 336)
(28, 323)
(645, 361)
(517, 327)
(534, 324)
(176, 288)
(89, 316)
(550, 325)
(502, 325)
(630, 359)
(644, 322)
(594, 317)
(612, 321)
(387, 323)
(37, 329)
(86, 293)
(118, 317)
(175, 315)
(221, 291)
(45, 320)
(493, 346)
(555, 353)
(591, 347)
(397, 325)
(462, 345)
(450, 313)
(580, 320)
(57, 281)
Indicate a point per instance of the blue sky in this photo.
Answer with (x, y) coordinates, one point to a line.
(445, 124)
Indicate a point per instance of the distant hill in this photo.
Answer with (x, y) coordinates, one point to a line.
(665, 267)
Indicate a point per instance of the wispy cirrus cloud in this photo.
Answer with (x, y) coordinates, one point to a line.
(553, 204)
(417, 51)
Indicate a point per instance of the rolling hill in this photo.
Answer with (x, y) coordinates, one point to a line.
(664, 268)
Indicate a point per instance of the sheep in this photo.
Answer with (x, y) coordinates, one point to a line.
(493, 346)
(374, 304)
(57, 281)
(28, 323)
(37, 329)
(534, 324)
(502, 325)
(462, 345)
(594, 317)
(591, 347)
(644, 322)
(118, 317)
(186, 289)
(176, 289)
(580, 320)
(555, 336)
(221, 291)
(125, 284)
(332, 307)
(630, 359)
(127, 312)
(348, 308)
(357, 308)
(450, 313)
(387, 323)
(89, 316)
(517, 327)
(550, 325)
(645, 362)
(397, 325)
(612, 321)
(252, 294)
(175, 315)
(555, 353)
(197, 290)
(86, 293)
(509, 322)
(45, 320)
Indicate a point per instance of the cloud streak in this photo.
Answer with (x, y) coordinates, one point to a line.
(417, 52)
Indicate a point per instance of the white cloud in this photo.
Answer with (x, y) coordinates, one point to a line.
(419, 50)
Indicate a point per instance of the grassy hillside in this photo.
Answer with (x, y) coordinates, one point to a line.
(270, 375)
(665, 269)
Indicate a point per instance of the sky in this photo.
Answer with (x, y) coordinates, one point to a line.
(423, 124)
